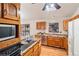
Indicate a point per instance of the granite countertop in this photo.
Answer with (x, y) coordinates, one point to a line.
(26, 47)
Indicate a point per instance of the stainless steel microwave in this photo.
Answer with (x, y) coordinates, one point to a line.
(7, 32)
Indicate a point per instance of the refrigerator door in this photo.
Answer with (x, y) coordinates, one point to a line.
(70, 38)
(76, 37)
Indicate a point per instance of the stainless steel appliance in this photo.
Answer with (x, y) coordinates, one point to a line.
(13, 50)
(7, 31)
(44, 39)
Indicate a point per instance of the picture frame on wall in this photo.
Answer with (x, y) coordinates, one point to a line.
(54, 27)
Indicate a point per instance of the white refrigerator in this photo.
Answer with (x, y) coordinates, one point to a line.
(73, 38)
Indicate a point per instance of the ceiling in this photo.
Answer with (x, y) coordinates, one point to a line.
(34, 11)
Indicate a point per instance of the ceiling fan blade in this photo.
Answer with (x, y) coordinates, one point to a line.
(57, 6)
(44, 7)
(33, 3)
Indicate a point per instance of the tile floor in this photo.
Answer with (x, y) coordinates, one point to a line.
(51, 51)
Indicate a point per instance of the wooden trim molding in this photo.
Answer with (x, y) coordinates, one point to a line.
(4, 44)
(8, 21)
(73, 18)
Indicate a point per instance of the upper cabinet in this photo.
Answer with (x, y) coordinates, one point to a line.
(65, 25)
(41, 25)
(11, 10)
(0, 10)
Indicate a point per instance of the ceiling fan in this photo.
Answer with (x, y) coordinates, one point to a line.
(52, 6)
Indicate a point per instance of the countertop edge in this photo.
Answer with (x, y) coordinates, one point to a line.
(22, 52)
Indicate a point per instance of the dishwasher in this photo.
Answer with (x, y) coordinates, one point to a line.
(43, 40)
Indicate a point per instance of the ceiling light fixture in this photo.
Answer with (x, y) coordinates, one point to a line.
(51, 6)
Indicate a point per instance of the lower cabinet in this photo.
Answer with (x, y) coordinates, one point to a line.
(60, 42)
(54, 41)
(34, 51)
(29, 52)
(65, 43)
(51, 41)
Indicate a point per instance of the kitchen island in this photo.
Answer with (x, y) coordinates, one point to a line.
(31, 49)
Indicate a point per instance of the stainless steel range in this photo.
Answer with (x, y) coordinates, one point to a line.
(13, 50)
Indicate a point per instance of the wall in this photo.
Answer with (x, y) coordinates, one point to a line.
(33, 25)
(76, 13)
(31, 13)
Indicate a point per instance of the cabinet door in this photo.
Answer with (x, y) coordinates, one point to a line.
(0, 9)
(51, 41)
(29, 52)
(65, 43)
(57, 42)
(36, 50)
(39, 48)
(10, 11)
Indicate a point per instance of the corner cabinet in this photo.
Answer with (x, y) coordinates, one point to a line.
(11, 10)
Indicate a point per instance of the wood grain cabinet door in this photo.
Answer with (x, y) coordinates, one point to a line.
(0, 10)
(29, 52)
(58, 42)
(51, 41)
(11, 10)
(65, 43)
(36, 50)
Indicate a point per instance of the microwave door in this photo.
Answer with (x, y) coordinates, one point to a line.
(7, 32)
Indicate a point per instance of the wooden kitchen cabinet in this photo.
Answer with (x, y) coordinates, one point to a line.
(51, 41)
(65, 25)
(11, 10)
(29, 52)
(54, 41)
(0, 10)
(57, 42)
(34, 50)
(60, 42)
(10, 42)
(65, 43)
(41, 25)
(8, 15)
